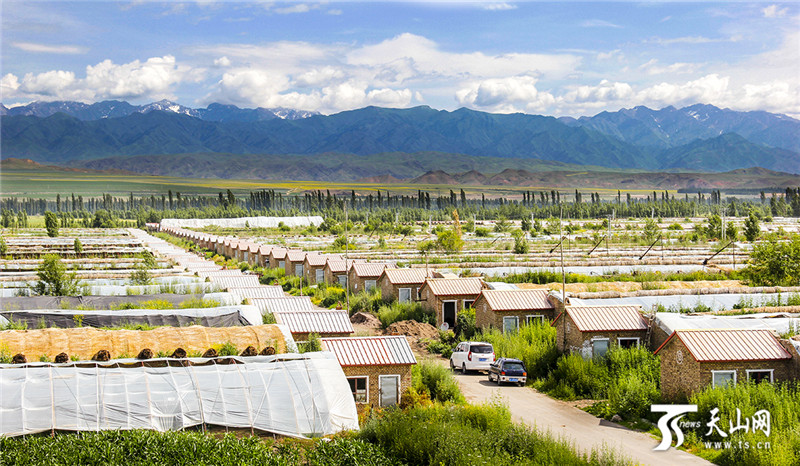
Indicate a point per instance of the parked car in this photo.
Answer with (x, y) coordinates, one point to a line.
(472, 356)
(508, 370)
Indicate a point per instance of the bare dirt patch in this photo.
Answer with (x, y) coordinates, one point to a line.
(417, 333)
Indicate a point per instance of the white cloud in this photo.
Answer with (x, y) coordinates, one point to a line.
(695, 40)
(152, 79)
(773, 11)
(335, 12)
(499, 6)
(605, 92)
(599, 23)
(46, 48)
(222, 62)
(505, 95)
(708, 89)
(296, 8)
(653, 68)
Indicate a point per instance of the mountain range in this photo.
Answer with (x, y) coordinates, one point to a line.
(699, 138)
(117, 109)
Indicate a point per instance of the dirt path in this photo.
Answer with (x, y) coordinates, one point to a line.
(579, 427)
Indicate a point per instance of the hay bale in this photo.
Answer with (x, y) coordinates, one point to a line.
(84, 342)
(179, 353)
(102, 355)
(210, 353)
(19, 358)
(62, 358)
(249, 351)
(146, 353)
(267, 351)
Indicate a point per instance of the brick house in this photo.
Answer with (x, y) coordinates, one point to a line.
(263, 255)
(294, 263)
(314, 267)
(377, 368)
(363, 276)
(693, 359)
(324, 322)
(508, 309)
(592, 330)
(277, 258)
(446, 296)
(335, 271)
(401, 285)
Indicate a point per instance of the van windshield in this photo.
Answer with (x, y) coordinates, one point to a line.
(480, 348)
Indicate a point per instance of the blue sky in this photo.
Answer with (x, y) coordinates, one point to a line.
(565, 58)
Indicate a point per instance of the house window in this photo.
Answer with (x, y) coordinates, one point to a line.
(369, 284)
(534, 319)
(404, 295)
(358, 387)
(722, 378)
(319, 276)
(298, 270)
(759, 375)
(510, 324)
(599, 347)
(281, 264)
(468, 304)
(343, 281)
(628, 342)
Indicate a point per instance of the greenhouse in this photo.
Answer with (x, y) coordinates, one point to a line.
(291, 394)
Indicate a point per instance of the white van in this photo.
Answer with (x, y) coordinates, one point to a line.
(472, 356)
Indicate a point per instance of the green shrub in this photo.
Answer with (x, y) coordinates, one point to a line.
(436, 380)
(465, 326)
(313, 344)
(584, 377)
(196, 303)
(228, 349)
(396, 312)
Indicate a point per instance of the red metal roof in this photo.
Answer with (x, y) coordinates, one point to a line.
(339, 265)
(220, 273)
(371, 351)
(319, 321)
(295, 256)
(370, 269)
(278, 253)
(730, 345)
(318, 260)
(607, 318)
(405, 276)
(455, 286)
(235, 282)
(517, 300)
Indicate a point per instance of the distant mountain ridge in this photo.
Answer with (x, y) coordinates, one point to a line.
(118, 109)
(625, 139)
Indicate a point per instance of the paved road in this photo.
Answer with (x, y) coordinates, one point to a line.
(573, 424)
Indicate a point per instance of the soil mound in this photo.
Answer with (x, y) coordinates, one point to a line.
(416, 333)
(365, 318)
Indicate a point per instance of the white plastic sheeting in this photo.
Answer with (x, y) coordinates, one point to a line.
(242, 222)
(294, 395)
(717, 302)
(779, 322)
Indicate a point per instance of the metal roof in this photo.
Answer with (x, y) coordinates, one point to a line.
(339, 265)
(731, 345)
(606, 318)
(278, 253)
(235, 282)
(265, 250)
(319, 260)
(318, 321)
(406, 276)
(283, 304)
(220, 273)
(263, 291)
(370, 269)
(455, 286)
(295, 256)
(517, 300)
(371, 351)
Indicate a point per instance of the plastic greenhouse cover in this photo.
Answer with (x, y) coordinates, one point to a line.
(242, 222)
(290, 394)
(229, 316)
(717, 302)
(779, 322)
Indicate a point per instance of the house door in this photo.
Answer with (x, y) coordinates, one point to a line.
(319, 276)
(449, 313)
(389, 386)
(298, 270)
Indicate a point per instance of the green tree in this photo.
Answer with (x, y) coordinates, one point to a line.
(651, 230)
(520, 243)
(731, 232)
(774, 263)
(3, 247)
(714, 227)
(78, 246)
(526, 224)
(450, 240)
(752, 228)
(103, 219)
(51, 224)
(54, 280)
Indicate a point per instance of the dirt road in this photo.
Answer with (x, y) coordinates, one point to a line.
(578, 427)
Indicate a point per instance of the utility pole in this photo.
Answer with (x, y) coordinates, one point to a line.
(563, 273)
(346, 261)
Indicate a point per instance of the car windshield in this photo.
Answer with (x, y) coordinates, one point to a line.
(513, 366)
(481, 348)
